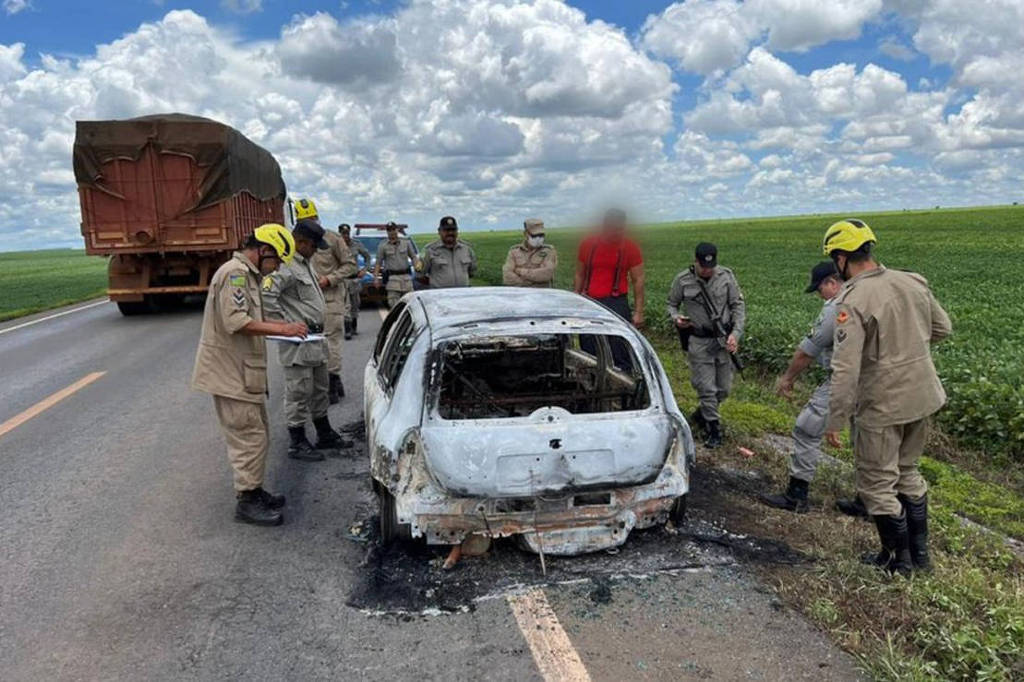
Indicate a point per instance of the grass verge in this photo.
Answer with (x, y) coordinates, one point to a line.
(40, 280)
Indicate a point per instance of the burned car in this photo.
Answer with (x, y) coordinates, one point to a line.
(538, 413)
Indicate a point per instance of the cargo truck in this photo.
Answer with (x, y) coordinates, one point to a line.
(169, 198)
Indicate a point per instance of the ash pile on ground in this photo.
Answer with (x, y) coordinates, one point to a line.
(406, 578)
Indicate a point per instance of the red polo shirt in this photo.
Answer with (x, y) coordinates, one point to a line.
(602, 258)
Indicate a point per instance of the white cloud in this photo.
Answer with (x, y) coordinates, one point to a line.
(15, 6)
(242, 6)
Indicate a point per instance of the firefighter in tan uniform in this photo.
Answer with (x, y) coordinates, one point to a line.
(293, 293)
(354, 283)
(333, 266)
(394, 257)
(706, 305)
(231, 364)
(531, 263)
(883, 376)
(449, 261)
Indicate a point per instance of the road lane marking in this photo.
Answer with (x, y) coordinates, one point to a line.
(48, 402)
(50, 317)
(554, 654)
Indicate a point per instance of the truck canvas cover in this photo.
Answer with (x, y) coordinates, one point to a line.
(232, 163)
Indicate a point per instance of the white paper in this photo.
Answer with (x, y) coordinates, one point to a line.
(297, 339)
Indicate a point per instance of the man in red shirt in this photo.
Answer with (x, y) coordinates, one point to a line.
(605, 265)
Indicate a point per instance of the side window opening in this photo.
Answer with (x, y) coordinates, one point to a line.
(385, 329)
(513, 376)
(397, 351)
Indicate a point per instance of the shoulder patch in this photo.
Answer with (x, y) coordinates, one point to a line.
(268, 282)
(237, 280)
(842, 317)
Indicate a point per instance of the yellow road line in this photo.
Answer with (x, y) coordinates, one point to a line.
(554, 654)
(48, 402)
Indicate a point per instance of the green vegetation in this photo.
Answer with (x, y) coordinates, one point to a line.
(39, 280)
(965, 621)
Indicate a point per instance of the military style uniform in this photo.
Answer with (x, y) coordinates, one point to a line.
(233, 368)
(810, 423)
(354, 283)
(710, 365)
(394, 259)
(446, 267)
(292, 294)
(536, 267)
(883, 375)
(337, 263)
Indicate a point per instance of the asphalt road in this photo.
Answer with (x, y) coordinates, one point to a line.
(120, 559)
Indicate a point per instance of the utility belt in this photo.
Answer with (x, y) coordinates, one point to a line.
(397, 273)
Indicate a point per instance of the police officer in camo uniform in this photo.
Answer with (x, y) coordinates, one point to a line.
(708, 352)
(810, 424)
(334, 265)
(394, 256)
(354, 282)
(530, 263)
(293, 294)
(449, 261)
(231, 365)
(883, 376)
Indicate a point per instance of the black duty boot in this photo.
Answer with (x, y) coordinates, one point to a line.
(270, 499)
(300, 447)
(895, 538)
(251, 509)
(348, 329)
(917, 527)
(854, 507)
(697, 419)
(332, 390)
(355, 324)
(794, 499)
(714, 439)
(327, 438)
(339, 387)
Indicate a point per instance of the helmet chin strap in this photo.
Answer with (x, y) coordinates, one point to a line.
(845, 271)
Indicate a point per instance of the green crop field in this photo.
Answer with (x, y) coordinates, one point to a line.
(37, 280)
(972, 258)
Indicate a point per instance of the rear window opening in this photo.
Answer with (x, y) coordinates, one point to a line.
(513, 376)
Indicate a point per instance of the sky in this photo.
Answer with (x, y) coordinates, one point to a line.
(498, 110)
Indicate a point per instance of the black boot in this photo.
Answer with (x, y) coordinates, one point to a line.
(917, 527)
(794, 499)
(332, 390)
(348, 329)
(300, 447)
(355, 324)
(895, 538)
(854, 507)
(327, 438)
(697, 419)
(250, 508)
(714, 439)
(339, 387)
(270, 499)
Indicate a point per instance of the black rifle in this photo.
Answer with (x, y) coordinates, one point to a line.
(717, 326)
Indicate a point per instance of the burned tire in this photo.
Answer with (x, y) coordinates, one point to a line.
(677, 515)
(390, 528)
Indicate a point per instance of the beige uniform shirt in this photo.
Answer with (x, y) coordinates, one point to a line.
(337, 263)
(395, 256)
(292, 294)
(227, 363)
(724, 292)
(536, 267)
(447, 267)
(882, 369)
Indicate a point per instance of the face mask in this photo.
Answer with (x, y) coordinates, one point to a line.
(535, 242)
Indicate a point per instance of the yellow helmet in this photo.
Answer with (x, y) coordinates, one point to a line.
(847, 235)
(277, 237)
(305, 208)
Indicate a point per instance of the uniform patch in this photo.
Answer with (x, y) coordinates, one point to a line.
(842, 317)
(237, 280)
(840, 336)
(238, 296)
(267, 283)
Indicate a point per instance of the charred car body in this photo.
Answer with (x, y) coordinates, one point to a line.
(538, 413)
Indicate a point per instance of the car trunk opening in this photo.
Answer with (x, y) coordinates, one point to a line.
(514, 376)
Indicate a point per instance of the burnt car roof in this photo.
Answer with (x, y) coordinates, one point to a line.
(445, 308)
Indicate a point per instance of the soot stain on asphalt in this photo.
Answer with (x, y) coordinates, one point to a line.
(405, 579)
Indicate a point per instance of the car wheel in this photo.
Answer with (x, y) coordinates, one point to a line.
(678, 512)
(390, 528)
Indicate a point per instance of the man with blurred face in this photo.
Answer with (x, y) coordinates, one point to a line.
(706, 286)
(354, 282)
(449, 261)
(530, 263)
(392, 270)
(606, 263)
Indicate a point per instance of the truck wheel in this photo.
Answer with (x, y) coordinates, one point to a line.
(390, 528)
(678, 512)
(132, 308)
